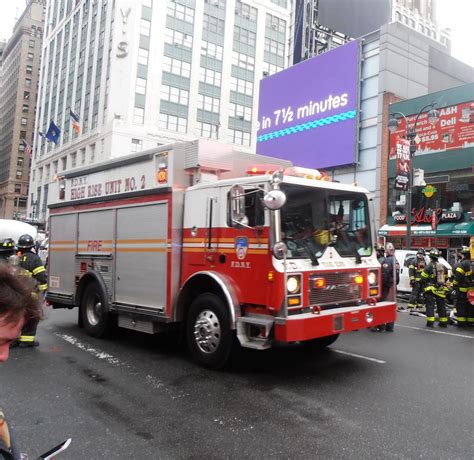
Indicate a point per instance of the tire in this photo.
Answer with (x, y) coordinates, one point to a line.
(208, 333)
(320, 343)
(96, 320)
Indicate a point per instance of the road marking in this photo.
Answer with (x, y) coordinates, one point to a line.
(154, 382)
(368, 358)
(436, 332)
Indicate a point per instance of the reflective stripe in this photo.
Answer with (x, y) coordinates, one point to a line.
(430, 318)
(443, 320)
(470, 320)
(39, 270)
(425, 275)
(42, 287)
(463, 289)
(462, 318)
(460, 270)
(27, 338)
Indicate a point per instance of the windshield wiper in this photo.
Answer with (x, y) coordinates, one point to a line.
(311, 254)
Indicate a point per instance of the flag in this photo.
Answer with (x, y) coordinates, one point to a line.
(28, 147)
(75, 121)
(53, 133)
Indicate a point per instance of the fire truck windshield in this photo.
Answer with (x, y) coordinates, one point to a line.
(313, 219)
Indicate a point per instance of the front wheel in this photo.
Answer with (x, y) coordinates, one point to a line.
(208, 331)
(94, 316)
(320, 342)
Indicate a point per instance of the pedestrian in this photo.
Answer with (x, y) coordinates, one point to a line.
(415, 302)
(17, 306)
(433, 278)
(7, 249)
(387, 282)
(462, 282)
(31, 265)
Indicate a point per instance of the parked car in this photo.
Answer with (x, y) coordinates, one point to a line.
(405, 258)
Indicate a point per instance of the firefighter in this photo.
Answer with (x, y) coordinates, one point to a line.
(7, 249)
(387, 282)
(462, 282)
(415, 303)
(32, 266)
(433, 280)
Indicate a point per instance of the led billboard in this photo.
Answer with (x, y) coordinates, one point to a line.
(308, 113)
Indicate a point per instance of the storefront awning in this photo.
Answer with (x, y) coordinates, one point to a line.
(444, 229)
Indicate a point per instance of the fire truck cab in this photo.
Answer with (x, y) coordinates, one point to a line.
(182, 235)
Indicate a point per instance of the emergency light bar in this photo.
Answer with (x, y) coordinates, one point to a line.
(295, 171)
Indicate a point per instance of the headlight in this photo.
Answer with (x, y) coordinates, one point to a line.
(293, 284)
(372, 278)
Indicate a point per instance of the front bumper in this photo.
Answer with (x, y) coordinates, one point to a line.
(309, 326)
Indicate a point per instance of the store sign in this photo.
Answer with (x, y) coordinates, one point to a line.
(402, 175)
(453, 130)
(308, 113)
(425, 216)
(429, 191)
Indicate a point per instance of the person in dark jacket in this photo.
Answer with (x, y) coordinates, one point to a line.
(17, 306)
(433, 278)
(32, 265)
(415, 302)
(462, 282)
(7, 249)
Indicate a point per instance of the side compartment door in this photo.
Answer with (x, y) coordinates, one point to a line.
(142, 254)
(62, 251)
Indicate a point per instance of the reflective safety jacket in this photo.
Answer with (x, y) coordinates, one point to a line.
(433, 279)
(415, 269)
(463, 276)
(33, 266)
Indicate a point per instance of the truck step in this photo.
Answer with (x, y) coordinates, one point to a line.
(255, 331)
(149, 327)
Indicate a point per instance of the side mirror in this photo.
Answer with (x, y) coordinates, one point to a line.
(237, 204)
(274, 199)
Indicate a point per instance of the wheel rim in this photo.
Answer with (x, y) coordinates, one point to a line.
(94, 309)
(207, 331)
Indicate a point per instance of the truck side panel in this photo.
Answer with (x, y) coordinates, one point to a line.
(62, 249)
(142, 251)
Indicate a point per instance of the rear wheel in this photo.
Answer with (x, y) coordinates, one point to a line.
(208, 331)
(321, 342)
(94, 316)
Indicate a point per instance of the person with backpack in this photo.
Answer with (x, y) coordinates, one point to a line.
(462, 283)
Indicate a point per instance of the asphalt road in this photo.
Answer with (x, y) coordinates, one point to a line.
(407, 394)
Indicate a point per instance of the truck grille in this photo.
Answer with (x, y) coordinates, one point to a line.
(340, 289)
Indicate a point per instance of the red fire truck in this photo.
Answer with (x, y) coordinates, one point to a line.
(194, 234)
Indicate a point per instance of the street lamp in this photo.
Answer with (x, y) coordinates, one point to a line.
(433, 116)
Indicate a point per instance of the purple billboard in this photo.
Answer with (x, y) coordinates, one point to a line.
(308, 113)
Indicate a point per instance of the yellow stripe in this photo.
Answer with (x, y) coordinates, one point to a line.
(62, 249)
(141, 249)
(27, 338)
(39, 270)
(460, 270)
(61, 242)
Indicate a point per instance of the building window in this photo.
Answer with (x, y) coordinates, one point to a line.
(244, 36)
(246, 11)
(26, 95)
(211, 77)
(32, 44)
(19, 162)
(274, 47)
(239, 137)
(213, 25)
(30, 56)
(208, 103)
(27, 82)
(26, 107)
(137, 145)
(172, 123)
(145, 27)
(63, 163)
(24, 121)
(138, 115)
(181, 12)
(140, 85)
(172, 94)
(270, 69)
(217, 3)
(73, 159)
(176, 67)
(29, 69)
(282, 3)
(142, 56)
(211, 50)
(240, 111)
(17, 188)
(243, 61)
(19, 174)
(175, 38)
(206, 130)
(275, 23)
(241, 86)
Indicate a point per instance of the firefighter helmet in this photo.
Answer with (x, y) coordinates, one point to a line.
(25, 242)
(380, 248)
(434, 254)
(465, 251)
(7, 245)
(421, 251)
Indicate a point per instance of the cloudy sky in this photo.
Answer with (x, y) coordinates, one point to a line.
(456, 14)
